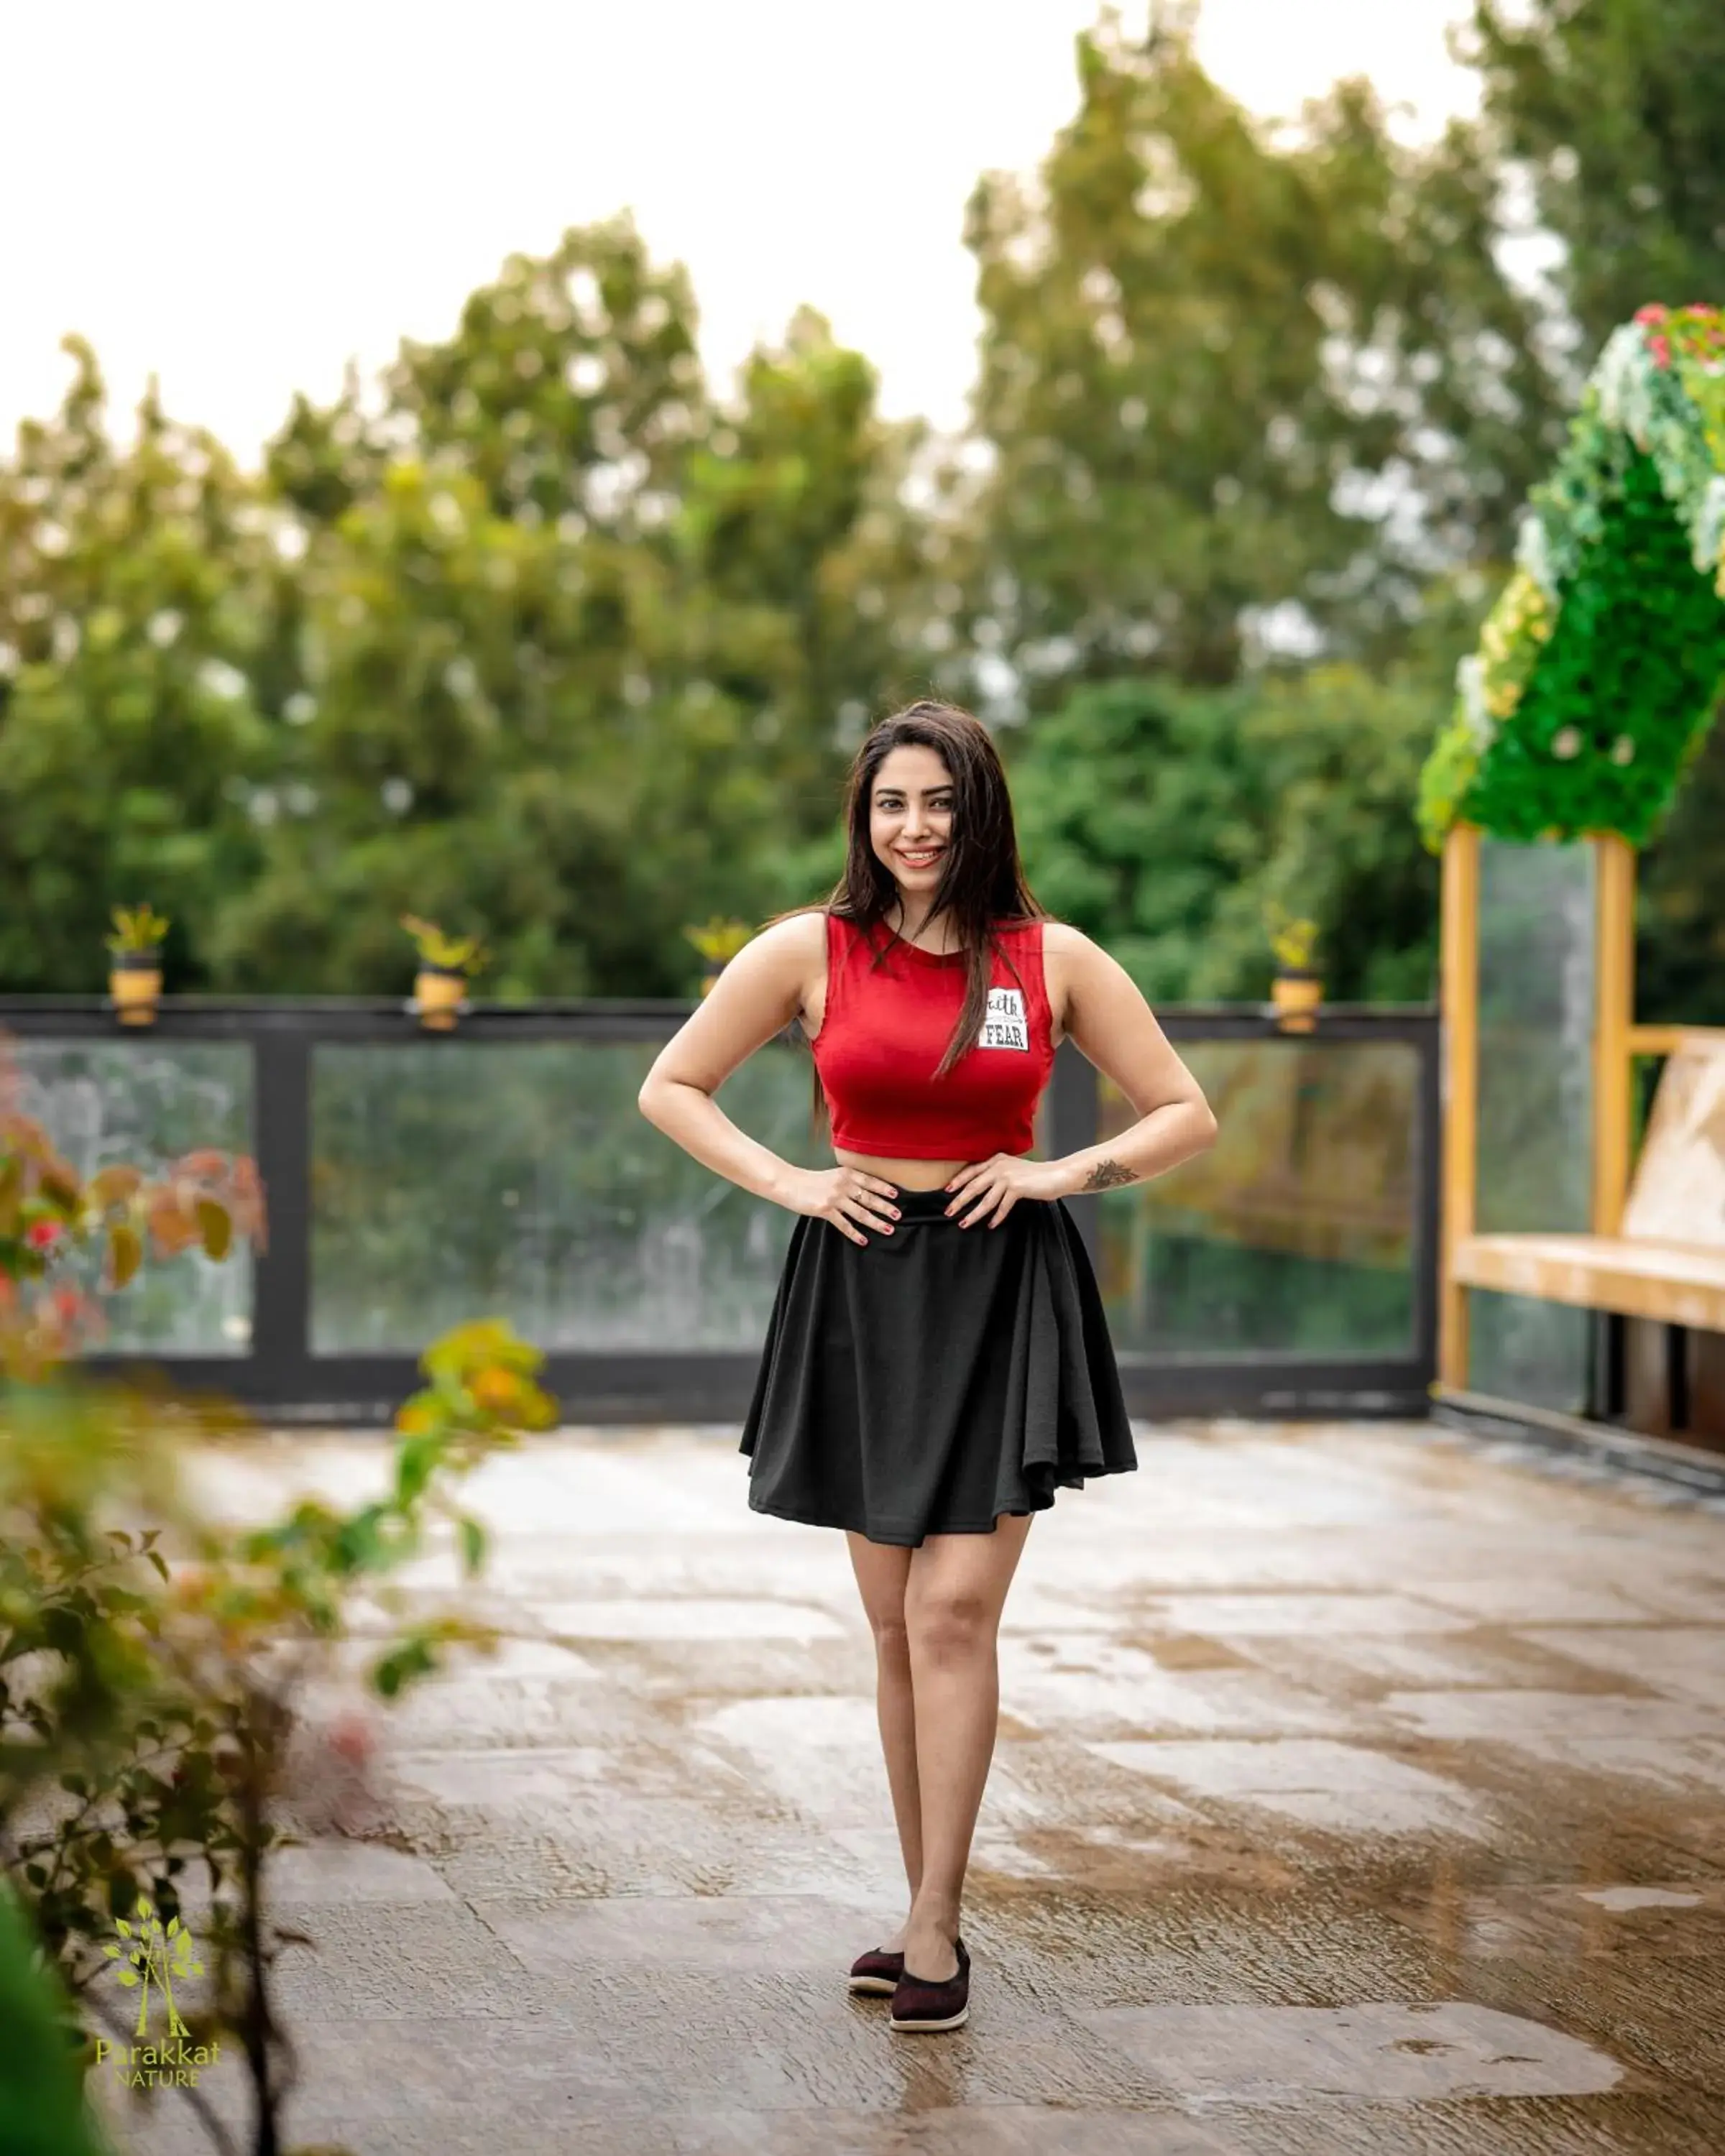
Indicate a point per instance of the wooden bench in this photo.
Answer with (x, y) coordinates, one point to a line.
(1675, 1283)
(1667, 1261)
(1654, 1264)
(1666, 1265)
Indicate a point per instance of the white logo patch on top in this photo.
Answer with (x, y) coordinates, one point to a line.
(1006, 1025)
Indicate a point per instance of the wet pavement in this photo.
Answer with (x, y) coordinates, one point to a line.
(1359, 1789)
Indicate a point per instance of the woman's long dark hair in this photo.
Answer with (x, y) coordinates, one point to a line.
(982, 886)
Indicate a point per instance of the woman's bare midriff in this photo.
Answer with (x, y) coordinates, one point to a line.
(906, 1174)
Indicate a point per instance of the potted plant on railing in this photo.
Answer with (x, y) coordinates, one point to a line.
(718, 943)
(447, 963)
(134, 969)
(1297, 990)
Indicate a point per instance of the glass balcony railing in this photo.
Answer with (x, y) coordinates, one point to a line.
(414, 1182)
(1295, 1235)
(146, 1103)
(522, 1178)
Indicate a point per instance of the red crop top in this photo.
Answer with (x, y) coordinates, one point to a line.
(886, 1028)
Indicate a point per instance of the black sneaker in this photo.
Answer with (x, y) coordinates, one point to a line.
(919, 2006)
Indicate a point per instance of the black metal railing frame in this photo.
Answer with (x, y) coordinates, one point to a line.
(282, 1380)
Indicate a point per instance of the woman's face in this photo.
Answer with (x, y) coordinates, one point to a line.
(910, 817)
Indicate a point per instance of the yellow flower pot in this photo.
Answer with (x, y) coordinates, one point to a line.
(439, 994)
(1296, 996)
(135, 984)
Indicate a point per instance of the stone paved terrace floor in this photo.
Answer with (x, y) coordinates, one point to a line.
(1359, 1789)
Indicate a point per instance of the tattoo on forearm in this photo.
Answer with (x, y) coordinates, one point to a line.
(1107, 1175)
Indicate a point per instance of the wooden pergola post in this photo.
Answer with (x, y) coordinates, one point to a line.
(1459, 991)
(1613, 1018)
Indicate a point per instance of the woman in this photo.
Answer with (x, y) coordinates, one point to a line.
(937, 1361)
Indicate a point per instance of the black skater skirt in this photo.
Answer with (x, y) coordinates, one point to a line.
(927, 1381)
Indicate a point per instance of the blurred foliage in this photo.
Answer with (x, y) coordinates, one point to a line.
(538, 636)
(137, 928)
(1613, 108)
(1214, 359)
(129, 623)
(1165, 821)
(539, 631)
(720, 940)
(160, 1711)
(571, 639)
(158, 1719)
(1293, 939)
(41, 2090)
(442, 952)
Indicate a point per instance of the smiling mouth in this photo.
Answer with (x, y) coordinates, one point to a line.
(920, 860)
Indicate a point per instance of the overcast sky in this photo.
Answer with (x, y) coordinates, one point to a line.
(241, 193)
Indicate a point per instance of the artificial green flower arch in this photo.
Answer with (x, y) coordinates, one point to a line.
(1598, 668)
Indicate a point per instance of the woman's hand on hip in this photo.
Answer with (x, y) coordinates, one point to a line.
(844, 1196)
(990, 1189)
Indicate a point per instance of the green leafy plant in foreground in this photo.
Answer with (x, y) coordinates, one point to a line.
(41, 2090)
(172, 1729)
(160, 1670)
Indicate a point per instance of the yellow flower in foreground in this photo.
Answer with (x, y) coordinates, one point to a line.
(497, 1390)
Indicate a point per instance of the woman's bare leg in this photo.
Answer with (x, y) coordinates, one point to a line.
(953, 1601)
(882, 1570)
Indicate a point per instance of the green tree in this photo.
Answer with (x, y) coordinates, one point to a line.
(571, 387)
(1164, 821)
(1234, 382)
(1614, 108)
(129, 735)
(580, 653)
(805, 566)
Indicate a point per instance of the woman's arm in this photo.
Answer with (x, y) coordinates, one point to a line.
(1115, 1029)
(757, 994)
